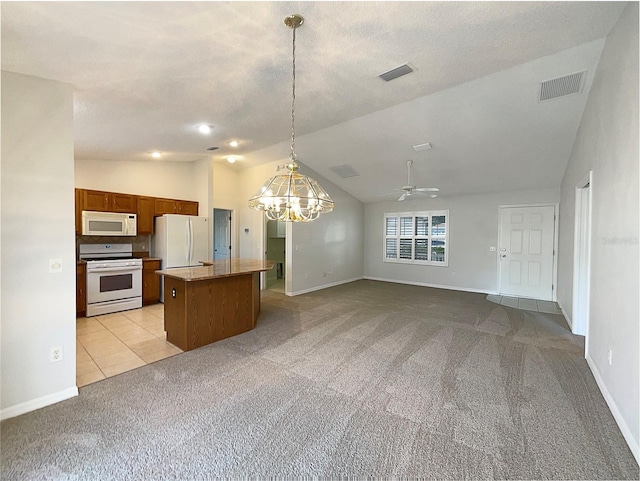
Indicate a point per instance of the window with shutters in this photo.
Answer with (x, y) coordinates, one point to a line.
(417, 237)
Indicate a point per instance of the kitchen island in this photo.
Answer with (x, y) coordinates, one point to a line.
(212, 302)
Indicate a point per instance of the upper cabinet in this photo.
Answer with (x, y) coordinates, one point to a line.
(78, 211)
(146, 210)
(173, 206)
(145, 207)
(100, 201)
(187, 207)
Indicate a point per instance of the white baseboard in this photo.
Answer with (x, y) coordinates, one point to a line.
(566, 317)
(25, 407)
(324, 286)
(437, 286)
(626, 432)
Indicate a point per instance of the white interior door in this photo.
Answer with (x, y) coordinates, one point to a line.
(526, 251)
(221, 234)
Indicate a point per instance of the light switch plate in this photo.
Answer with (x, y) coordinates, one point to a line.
(55, 266)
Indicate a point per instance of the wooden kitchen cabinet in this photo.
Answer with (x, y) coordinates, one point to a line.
(187, 207)
(79, 204)
(174, 206)
(100, 201)
(150, 281)
(165, 206)
(126, 203)
(81, 289)
(146, 210)
(95, 200)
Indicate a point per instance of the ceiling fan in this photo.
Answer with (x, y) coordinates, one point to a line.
(410, 189)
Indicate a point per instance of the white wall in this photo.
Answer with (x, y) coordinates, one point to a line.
(607, 143)
(38, 307)
(175, 180)
(327, 251)
(473, 228)
(331, 243)
(226, 184)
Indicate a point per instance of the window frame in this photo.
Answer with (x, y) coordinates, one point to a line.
(413, 237)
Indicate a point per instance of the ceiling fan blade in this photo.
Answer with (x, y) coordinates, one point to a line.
(427, 189)
(402, 197)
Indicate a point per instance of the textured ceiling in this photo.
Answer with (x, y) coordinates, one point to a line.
(146, 73)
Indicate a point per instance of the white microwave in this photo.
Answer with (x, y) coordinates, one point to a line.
(108, 223)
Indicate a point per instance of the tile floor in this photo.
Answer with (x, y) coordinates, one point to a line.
(276, 285)
(115, 343)
(547, 307)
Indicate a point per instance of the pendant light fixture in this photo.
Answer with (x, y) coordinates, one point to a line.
(292, 197)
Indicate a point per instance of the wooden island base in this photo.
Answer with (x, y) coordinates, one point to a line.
(206, 304)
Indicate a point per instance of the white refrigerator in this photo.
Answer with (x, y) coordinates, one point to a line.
(180, 241)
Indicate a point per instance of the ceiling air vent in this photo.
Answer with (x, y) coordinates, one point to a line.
(421, 147)
(562, 86)
(344, 171)
(396, 72)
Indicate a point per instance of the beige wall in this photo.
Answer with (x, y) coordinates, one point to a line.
(473, 230)
(607, 144)
(38, 307)
(175, 180)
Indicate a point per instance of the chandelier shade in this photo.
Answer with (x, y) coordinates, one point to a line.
(292, 197)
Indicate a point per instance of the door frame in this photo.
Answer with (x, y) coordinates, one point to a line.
(287, 256)
(232, 228)
(581, 253)
(554, 280)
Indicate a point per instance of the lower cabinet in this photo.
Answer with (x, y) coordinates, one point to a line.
(150, 281)
(81, 289)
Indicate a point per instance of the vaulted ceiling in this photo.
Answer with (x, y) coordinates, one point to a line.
(146, 74)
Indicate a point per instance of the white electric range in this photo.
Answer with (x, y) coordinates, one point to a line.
(114, 278)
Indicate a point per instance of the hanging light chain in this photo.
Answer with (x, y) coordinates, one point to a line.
(292, 156)
(292, 197)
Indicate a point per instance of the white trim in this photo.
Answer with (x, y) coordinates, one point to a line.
(437, 286)
(626, 432)
(580, 228)
(25, 407)
(233, 225)
(564, 313)
(429, 237)
(324, 286)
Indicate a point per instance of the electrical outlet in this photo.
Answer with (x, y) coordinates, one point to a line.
(56, 354)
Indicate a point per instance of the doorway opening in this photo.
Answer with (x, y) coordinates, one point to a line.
(276, 243)
(221, 234)
(582, 259)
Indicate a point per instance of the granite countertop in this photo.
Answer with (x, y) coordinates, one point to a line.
(213, 269)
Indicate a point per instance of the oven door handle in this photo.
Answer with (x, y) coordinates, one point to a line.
(115, 269)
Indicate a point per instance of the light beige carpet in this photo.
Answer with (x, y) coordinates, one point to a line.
(368, 379)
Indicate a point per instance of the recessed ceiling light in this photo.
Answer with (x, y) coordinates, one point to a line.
(205, 129)
(155, 155)
(233, 143)
(231, 159)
